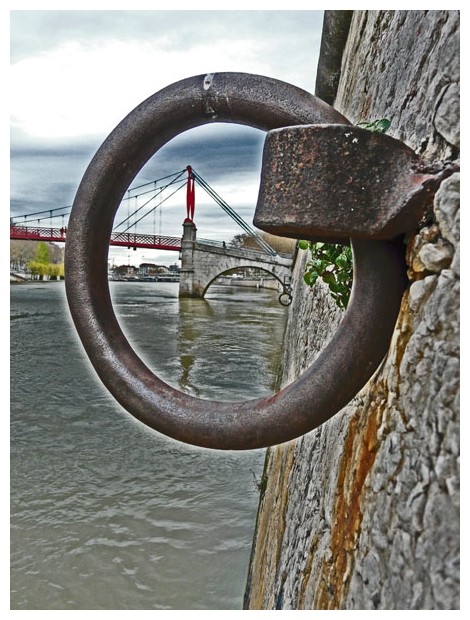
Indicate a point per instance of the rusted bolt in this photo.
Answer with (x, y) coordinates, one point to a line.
(334, 182)
(340, 371)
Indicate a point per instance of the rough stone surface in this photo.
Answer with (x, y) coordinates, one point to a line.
(363, 513)
(404, 66)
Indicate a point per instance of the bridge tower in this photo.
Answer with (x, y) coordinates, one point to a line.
(188, 242)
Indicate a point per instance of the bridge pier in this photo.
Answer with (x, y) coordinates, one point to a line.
(187, 280)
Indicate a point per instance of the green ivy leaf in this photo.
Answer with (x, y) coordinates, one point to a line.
(328, 278)
(310, 278)
(381, 125)
(333, 264)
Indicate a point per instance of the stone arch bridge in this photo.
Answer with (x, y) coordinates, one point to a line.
(202, 262)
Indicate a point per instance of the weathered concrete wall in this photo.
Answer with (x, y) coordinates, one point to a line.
(363, 513)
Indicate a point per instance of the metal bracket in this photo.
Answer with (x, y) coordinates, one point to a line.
(300, 176)
(336, 182)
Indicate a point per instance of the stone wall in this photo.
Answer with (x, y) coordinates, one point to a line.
(363, 513)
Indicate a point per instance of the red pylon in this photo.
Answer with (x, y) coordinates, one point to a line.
(190, 196)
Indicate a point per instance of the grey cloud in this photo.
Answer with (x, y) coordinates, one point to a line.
(45, 173)
(287, 40)
(34, 31)
(215, 152)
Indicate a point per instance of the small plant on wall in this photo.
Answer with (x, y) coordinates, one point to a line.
(380, 126)
(332, 263)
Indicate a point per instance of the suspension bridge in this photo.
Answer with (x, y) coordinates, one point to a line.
(201, 260)
(29, 227)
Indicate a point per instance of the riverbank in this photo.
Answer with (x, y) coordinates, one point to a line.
(265, 283)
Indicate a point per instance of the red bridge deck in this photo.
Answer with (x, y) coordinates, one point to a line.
(128, 240)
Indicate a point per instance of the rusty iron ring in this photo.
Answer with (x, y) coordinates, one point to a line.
(335, 377)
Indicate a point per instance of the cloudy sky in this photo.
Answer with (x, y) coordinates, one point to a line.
(75, 74)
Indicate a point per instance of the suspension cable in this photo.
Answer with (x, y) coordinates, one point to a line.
(157, 192)
(160, 190)
(152, 210)
(177, 175)
(233, 214)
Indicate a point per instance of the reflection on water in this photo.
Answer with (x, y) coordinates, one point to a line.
(225, 344)
(107, 514)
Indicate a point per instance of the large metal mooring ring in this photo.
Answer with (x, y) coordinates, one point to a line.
(335, 377)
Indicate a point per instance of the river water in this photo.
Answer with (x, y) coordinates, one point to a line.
(105, 513)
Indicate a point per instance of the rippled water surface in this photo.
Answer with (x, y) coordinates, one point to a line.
(106, 514)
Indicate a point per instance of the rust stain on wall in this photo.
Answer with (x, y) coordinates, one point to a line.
(271, 517)
(307, 571)
(360, 449)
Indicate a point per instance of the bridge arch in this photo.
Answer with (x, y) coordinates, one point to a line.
(279, 278)
(203, 262)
